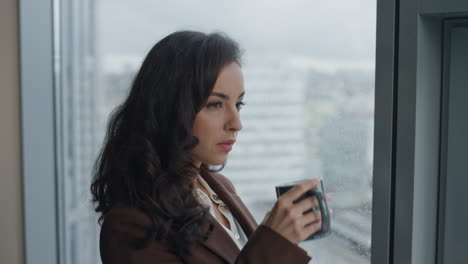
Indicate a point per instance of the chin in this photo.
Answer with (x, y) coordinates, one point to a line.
(217, 161)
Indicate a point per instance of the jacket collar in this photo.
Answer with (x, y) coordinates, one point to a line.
(219, 241)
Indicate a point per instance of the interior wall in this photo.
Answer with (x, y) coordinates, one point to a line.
(11, 217)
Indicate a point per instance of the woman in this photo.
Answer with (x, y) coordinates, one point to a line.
(159, 201)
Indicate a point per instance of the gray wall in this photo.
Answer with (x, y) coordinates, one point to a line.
(11, 218)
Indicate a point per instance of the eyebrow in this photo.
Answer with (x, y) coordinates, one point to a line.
(224, 96)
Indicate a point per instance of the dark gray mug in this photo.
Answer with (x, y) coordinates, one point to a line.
(320, 194)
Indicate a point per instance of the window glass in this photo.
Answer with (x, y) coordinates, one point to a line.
(78, 99)
(309, 80)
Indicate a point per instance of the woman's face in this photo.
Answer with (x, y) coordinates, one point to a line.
(217, 124)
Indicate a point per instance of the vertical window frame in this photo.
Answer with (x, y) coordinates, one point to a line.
(386, 77)
(38, 134)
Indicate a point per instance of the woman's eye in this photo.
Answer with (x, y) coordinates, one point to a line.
(217, 105)
(239, 105)
(214, 105)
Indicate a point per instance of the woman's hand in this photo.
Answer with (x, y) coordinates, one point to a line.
(288, 218)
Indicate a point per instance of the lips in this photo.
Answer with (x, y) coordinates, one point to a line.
(231, 141)
(226, 145)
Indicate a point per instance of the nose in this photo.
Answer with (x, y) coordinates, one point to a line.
(233, 123)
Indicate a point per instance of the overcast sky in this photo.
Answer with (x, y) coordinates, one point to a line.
(340, 30)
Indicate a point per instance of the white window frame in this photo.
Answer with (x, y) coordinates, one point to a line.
(38, 133)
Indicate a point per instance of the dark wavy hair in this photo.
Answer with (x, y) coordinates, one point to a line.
(145, 161)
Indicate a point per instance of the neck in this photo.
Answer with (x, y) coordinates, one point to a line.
(196, 183)
(197, 164)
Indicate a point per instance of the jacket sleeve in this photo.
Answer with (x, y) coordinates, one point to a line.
(267, 246)
(121, 232)
(123, 229)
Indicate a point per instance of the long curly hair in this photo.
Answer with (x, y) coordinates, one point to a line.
(145, 161)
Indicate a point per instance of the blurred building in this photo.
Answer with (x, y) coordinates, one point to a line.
(79, 96)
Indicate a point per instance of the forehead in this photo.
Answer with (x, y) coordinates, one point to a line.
(230, 80)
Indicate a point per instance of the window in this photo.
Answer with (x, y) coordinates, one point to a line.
(407, 164)
(309, 94)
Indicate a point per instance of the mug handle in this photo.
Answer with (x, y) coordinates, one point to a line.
(324, 211)
(322, 205)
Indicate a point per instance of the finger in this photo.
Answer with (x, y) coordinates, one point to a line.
(318, 214)
(311, 218)
(307, 204)
(295, 192)
(312, 228)
(328, 197)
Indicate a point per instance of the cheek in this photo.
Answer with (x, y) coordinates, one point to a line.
(206, 125)
(203, 130)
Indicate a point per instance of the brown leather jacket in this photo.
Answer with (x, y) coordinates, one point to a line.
(122, 225)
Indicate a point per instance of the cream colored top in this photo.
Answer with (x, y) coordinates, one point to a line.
(236, 232)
